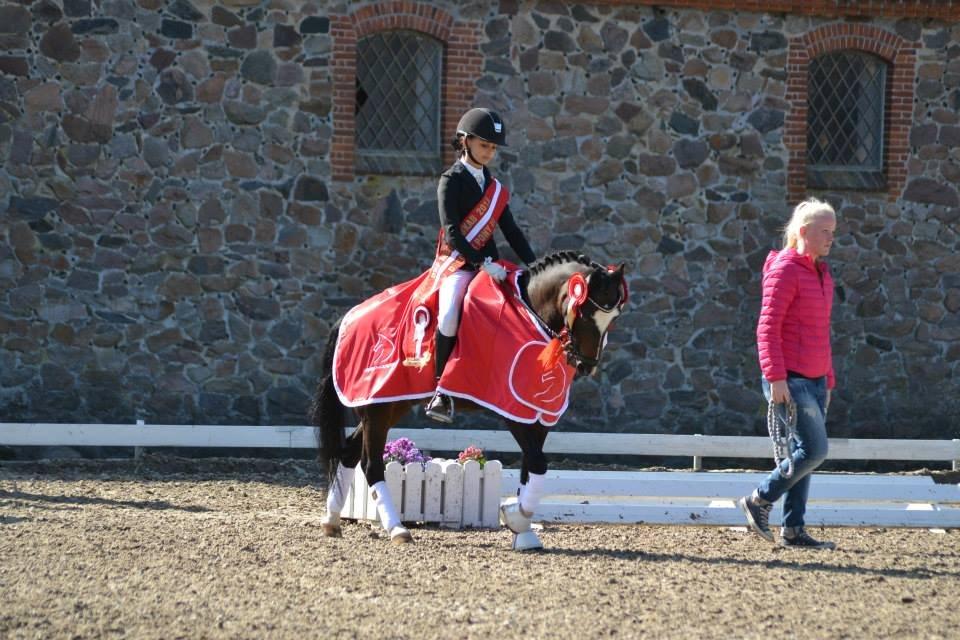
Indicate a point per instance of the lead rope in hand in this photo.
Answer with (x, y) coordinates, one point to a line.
(781, 432)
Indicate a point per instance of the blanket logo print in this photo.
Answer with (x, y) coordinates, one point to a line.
(383, 353)
(542, 390)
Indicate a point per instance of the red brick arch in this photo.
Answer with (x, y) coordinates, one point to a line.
(462, 65)
(901, 54)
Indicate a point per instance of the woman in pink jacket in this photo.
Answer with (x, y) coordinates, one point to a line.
(793, 338)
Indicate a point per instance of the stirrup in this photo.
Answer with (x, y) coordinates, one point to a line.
(440, 408)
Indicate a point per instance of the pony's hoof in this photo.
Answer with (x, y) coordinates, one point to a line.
(400, 535)
(526, 541)
(331, 525)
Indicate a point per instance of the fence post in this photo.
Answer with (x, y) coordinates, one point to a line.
(139, 451)
(697, 460)
(956, 449)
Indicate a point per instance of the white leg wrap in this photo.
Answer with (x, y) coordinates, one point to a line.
(337, 492)
(532, 492)
(387, 512)
(512, 517)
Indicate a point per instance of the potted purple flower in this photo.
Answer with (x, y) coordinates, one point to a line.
(403, 450)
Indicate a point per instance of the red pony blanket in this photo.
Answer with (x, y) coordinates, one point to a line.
(385, 351)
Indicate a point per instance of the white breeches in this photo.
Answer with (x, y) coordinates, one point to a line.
(452, 290)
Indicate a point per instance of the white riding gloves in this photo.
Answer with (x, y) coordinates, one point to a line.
(494, 270)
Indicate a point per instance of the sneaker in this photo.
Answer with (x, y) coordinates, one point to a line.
(758, 516)
(440, 408)
(799, 538)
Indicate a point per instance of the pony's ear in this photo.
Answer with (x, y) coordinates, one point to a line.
(620, 271)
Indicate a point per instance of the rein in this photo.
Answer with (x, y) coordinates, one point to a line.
(543, 323)
(560, 340)
(782, 429)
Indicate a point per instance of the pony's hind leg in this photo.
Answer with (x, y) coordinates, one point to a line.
(377, 420)
(340, 482)
(517, 513)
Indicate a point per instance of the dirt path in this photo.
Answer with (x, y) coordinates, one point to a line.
(226, 553)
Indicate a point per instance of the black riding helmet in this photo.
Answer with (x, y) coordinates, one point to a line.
(484, 124)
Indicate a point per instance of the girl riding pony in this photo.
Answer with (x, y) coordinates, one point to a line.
(468, 196)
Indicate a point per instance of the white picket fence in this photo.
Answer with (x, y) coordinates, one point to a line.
(585, 496)
(444, 492)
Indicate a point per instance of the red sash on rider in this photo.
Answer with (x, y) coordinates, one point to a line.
(477, 227)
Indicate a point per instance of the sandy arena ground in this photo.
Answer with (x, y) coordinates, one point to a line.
(234, 550)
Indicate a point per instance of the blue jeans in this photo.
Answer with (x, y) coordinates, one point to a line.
(807, 450)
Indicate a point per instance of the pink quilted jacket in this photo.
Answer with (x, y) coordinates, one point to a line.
(793, 333)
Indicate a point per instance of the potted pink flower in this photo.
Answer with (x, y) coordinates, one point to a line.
(472, 453)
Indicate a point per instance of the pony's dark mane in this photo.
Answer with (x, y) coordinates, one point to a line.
(558, 258)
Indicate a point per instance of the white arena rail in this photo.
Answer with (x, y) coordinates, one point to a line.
(301, 437)
(707, 498)
(704, 498)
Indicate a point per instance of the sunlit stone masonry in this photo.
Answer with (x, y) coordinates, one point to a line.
(186, 205)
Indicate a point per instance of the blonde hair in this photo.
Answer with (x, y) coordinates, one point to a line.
(803, 214)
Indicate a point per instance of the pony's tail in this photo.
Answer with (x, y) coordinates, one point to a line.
(328, 413)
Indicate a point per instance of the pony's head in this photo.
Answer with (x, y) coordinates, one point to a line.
(579, 300)
(593, 301)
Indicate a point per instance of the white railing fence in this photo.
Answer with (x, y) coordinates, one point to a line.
(598, 496)
(697, 447)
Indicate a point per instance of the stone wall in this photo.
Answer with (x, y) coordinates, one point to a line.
(174, 247)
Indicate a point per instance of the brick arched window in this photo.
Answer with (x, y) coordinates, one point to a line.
(867, 59)
(845, 107)
(402, 21)
(399, 76)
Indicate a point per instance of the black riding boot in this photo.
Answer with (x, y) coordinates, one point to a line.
(440, 407)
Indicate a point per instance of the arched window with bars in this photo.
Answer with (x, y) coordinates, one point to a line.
(845, 121)
(398, 97)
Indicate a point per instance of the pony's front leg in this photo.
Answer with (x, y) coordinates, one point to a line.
(373, 468)
(517, 513)
(340, 482)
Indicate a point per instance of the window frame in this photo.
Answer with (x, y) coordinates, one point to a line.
(385, 161)
(461, 66)
(847, 176)
(900, 56)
